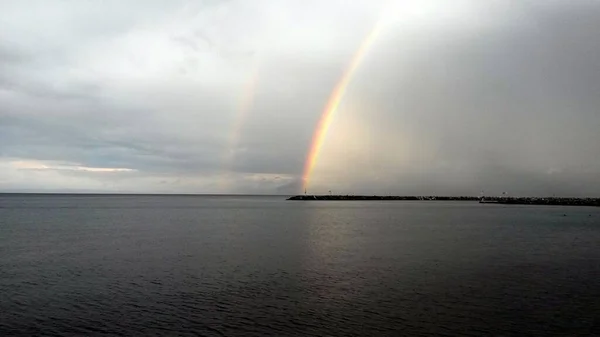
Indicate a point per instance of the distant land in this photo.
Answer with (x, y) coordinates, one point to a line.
(485, 200)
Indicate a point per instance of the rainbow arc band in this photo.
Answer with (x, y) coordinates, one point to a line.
(333, 104)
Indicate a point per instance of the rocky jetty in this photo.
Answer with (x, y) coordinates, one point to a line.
(493, 200)
(542, 201)
(378, 197)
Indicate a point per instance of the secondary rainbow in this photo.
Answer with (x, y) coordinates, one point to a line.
(333, 104)
(245, 104)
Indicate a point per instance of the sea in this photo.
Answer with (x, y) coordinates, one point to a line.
(129, 265)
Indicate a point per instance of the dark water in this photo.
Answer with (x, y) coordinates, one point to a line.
(255, 266)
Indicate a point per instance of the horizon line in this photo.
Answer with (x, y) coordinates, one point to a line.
(284, 194)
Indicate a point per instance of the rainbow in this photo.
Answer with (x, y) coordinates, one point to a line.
(244, 106)
(333, 104)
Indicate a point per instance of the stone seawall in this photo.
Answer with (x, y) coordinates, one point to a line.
(543, 201)
(493, 200)
(378, 197)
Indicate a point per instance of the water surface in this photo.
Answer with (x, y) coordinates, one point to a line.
(255, 266)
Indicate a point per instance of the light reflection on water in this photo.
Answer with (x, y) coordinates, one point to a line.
(263, 265)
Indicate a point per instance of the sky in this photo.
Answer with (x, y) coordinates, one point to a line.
(226, 96)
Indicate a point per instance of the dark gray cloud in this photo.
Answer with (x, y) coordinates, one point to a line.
(451, 99)
(505, 107)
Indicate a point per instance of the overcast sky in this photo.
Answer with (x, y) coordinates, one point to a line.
(215, 96)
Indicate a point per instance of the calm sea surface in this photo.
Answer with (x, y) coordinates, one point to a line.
(256, 266)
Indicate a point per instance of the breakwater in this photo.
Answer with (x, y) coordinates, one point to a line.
(542, 201)
(493, 200)
(380, 197)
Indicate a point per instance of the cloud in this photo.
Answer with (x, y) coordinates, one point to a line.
(451, 99)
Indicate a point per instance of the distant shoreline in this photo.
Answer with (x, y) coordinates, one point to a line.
(485, 200)
(114, 194)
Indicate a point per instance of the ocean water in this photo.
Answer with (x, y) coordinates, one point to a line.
(256, 266)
